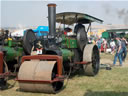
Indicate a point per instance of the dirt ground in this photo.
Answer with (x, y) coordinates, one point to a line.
(108, 59)
(110, 62)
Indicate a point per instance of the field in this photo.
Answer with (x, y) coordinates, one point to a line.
(107, 83)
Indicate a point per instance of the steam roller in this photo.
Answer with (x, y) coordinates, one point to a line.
(50, 59)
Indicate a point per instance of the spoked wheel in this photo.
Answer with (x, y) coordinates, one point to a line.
(91, 55)
(95, 60)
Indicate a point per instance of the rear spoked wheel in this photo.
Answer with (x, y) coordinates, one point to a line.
(91, 55)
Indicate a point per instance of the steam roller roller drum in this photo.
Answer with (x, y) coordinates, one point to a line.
(91, 55)
(39, 70)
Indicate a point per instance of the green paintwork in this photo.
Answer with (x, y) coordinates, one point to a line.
(105, 35)
(13, 50)
(9, 43)
(63, 41)
(118, 32)
(12, 53)
(67, 54)
(69, 42)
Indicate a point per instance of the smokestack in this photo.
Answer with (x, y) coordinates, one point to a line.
(52, 19)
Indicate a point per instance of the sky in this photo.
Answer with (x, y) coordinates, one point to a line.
(23, 13)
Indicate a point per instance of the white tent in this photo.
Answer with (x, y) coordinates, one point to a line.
(18, 33)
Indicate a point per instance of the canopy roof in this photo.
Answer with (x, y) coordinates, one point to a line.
(70, 18)
(116, 30)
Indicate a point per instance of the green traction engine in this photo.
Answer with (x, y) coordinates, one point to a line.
(11, 52)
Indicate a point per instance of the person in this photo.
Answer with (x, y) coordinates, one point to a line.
(104, 44)
(112, 45)
(98, 43)
(66, 30)
(124, 48)
(94, 42)
(118, 52)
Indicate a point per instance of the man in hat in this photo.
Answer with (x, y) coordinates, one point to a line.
(118, 52)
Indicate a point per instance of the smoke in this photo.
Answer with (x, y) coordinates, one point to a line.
(108, 9)
(111, 11)
(20, 26)
(126, 20)
(123, 14)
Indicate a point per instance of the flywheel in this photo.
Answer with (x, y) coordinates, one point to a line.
(28, 41)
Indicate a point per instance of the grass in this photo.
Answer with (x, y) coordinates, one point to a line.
(107, 83)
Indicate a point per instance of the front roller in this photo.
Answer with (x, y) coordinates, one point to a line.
(91, 55)
(41, 75)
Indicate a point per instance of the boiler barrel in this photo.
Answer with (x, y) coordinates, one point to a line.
(67, 54)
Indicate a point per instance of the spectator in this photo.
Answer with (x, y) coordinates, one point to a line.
(104, 45)
(118, 52)
(98, 43)
(113, 46)
(94, 42)
(66, 30)
(124, 48)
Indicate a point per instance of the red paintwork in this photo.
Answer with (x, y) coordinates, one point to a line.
(42, 81)
(1, 62)
(47, 57)
(65, 33)
(7, 74)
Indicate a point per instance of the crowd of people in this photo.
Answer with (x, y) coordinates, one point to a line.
(102, 44)
(121, 50)
(117, 46)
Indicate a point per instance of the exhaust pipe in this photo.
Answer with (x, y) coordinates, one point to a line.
(52, 19)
